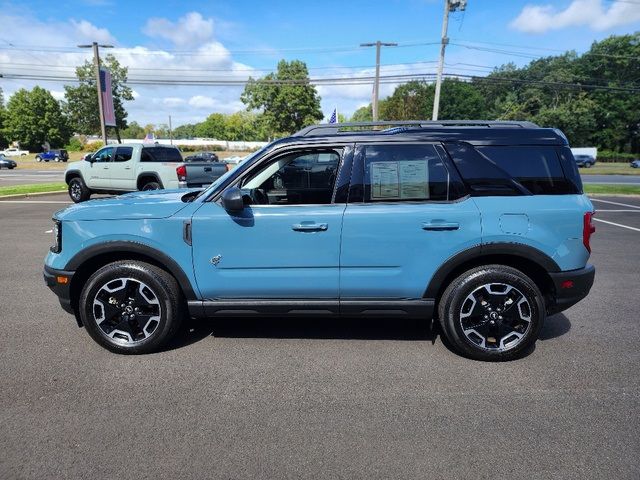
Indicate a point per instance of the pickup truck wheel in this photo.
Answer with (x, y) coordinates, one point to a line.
(78, 191)
(151, 186)
(493, 312)
(131, 307)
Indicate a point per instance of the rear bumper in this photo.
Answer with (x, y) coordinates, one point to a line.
(570, 287)
(62, 290)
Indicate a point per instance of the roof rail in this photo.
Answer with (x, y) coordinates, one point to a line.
(350, 127)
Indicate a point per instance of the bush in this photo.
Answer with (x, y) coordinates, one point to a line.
(201, 148)
(608, 156)
(93, 146)
(74, 145)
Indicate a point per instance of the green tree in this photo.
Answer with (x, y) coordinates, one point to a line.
(212, 127)
(185, 131)
(286, 98)
(82, 101)
(3, 140)
(133, 130)
(363, 114)
(35, 117)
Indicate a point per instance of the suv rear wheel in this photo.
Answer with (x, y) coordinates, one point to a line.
(493, 312)
(78, 191)
(131, 307)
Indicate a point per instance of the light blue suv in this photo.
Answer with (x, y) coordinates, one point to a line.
(482, 225)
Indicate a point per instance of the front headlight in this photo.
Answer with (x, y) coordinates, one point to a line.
(57, 236)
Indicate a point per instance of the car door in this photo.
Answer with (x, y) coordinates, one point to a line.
(407, 214)
(99, 174)
(122, 171)
(285, 243)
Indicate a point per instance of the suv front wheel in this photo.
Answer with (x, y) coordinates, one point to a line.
(131, 307)
(493, 312)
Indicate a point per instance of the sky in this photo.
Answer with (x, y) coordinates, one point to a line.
(235, 39)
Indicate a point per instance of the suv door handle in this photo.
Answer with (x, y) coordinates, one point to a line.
(309, 227)
(440, 226)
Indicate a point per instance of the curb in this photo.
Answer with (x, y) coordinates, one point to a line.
(34, 194)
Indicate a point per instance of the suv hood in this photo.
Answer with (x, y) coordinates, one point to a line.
(131, 206)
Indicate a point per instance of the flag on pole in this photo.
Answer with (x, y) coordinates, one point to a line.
(334, 116)
(149, 138)
(107, 98)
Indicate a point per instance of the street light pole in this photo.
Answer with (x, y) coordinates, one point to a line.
(96, 64)
(449, 6)
(376, 84)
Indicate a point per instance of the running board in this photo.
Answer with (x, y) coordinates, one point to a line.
(406, 308)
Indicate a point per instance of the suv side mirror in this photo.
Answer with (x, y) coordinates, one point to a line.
(232, 200)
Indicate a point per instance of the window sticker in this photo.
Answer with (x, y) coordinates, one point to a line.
(384, 180)
(414, 179)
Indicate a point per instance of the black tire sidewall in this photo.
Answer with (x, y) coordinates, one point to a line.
(462, 286)
(153, 277)
(156, 186)
(84, 191)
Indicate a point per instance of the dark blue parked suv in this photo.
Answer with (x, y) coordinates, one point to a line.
(482, 225)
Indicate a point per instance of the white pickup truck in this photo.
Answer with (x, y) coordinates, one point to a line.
(15, 152)
(129, 167)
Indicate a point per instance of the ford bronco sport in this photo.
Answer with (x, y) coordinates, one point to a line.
(482, 225)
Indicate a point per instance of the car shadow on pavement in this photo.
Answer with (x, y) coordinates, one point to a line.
(323, 328)
(306, 328)
(554, 326)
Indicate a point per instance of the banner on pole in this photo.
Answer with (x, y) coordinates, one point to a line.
(107, 98)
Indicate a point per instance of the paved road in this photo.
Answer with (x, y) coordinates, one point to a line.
(612, 179)
(23, 177)
(312, 398)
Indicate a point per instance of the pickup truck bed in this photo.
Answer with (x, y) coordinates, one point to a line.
(201, 173)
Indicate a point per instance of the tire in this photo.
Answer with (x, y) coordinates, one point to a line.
(78, 190)
(57, 159)
(149, 315)
(38, 158)
(479, 331)
(588, 165)
(151, 186)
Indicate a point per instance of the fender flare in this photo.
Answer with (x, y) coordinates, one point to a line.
(519, 250)
(119, 247)
(72, 173)
(148, 174)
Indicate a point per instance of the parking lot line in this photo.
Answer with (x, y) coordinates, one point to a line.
(617, 224)
(614, 203)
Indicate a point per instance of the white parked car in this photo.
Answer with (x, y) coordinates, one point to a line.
(15, 152)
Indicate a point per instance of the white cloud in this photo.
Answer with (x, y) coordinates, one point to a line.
(91, 33)
(589, 13)
(202, 101)
(190, 30)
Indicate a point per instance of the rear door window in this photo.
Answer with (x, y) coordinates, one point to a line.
(160, 154)
(405, 173)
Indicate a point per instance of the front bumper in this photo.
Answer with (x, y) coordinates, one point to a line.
(53, 277)
(570, 287)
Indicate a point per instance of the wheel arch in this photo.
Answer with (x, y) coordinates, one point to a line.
(529, 260)
(89, 260)
(71, 174)
(145, 177)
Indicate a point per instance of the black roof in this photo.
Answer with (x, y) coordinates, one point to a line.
(476, 132)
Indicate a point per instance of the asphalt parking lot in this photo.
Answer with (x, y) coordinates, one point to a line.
(313, 398)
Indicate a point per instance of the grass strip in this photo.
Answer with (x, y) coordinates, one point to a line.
(32, 188)
(612, 189)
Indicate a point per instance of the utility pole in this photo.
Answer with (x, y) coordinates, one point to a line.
(449, 6)
(376, 85)
(96, 64)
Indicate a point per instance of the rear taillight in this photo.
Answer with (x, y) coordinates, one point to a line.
(587, 229)
(182, 173)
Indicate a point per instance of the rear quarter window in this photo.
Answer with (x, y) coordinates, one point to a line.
(537, 168)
